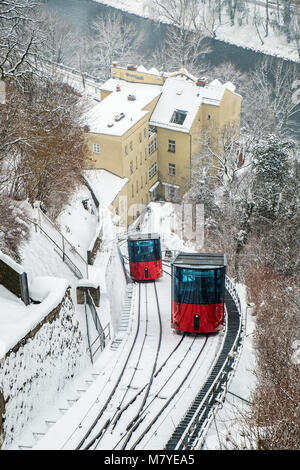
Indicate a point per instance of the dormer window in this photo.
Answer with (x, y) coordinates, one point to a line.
(178, 117)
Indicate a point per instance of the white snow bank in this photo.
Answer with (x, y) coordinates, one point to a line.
(46, 287)
(11, 263)
(17, 320)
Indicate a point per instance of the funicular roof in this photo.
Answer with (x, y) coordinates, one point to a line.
(143, 236)
(200, 260)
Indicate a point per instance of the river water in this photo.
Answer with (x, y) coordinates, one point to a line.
(80, 14)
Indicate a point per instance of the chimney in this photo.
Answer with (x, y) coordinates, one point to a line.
(131, 98)
(114, 64)
(118, 87)
(202, 81)
(131, 67)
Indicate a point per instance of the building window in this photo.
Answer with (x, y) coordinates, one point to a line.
(171, 146)
(131, 167)
(96, 148)
(172, 169)
(152, 146)
(141, 181)
(145, 153)
(170, 192)
(141, 158)
(130, 146)
(145, 132)
(140, 137)
(126, 149)
(152, 170)
(137, 186)
(132, 190)
(208, 117)
(152, 131)
(178, 117)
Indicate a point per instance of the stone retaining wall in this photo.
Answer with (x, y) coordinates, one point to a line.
(38, 367)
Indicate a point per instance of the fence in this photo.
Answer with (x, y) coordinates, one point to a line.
(103, 334)
(64, 248)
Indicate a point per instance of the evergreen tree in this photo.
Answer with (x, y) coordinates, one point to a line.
(271, 174)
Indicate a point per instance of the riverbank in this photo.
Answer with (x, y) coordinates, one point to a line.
(244, 36)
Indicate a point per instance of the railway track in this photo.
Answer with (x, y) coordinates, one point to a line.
(134, 417)
(107, 421)
(191, 431)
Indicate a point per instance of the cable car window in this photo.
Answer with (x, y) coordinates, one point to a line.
(199, 286)
(144, 250)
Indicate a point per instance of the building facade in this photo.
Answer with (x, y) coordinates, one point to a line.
(148, 126)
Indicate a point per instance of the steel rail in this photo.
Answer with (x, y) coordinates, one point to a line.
(112, 392)
(118, 411)
(130, 426)
(132, 400)
(141, 418)
(198, 416)
(157, 416)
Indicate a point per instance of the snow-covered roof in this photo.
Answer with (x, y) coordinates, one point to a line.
(177, 94)
(180, 94)
(105, 185)
(101, 118)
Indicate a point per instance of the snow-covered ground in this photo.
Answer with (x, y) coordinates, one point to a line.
(245, 36)
(68, 428)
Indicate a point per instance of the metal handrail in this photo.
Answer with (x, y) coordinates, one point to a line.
(62, 236)
(65, 257)
(102, 337)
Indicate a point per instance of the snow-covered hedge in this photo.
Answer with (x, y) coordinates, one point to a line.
(38, 367)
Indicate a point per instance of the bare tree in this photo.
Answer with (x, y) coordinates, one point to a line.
(114, 40)
(223, 155)
(186, 38)
(295, 32)
(269, 104)
(18, 37)
(43, 153)
(58, 41)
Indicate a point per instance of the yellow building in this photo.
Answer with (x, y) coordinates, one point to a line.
(147, 128)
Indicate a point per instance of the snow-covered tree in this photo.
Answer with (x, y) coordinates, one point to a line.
(114, 40)
(14, 228)
(272, 174)
(186, 38)
(269, 105)
(44, 153)
(19, 38)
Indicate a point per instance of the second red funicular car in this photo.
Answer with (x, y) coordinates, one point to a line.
(145, 256)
